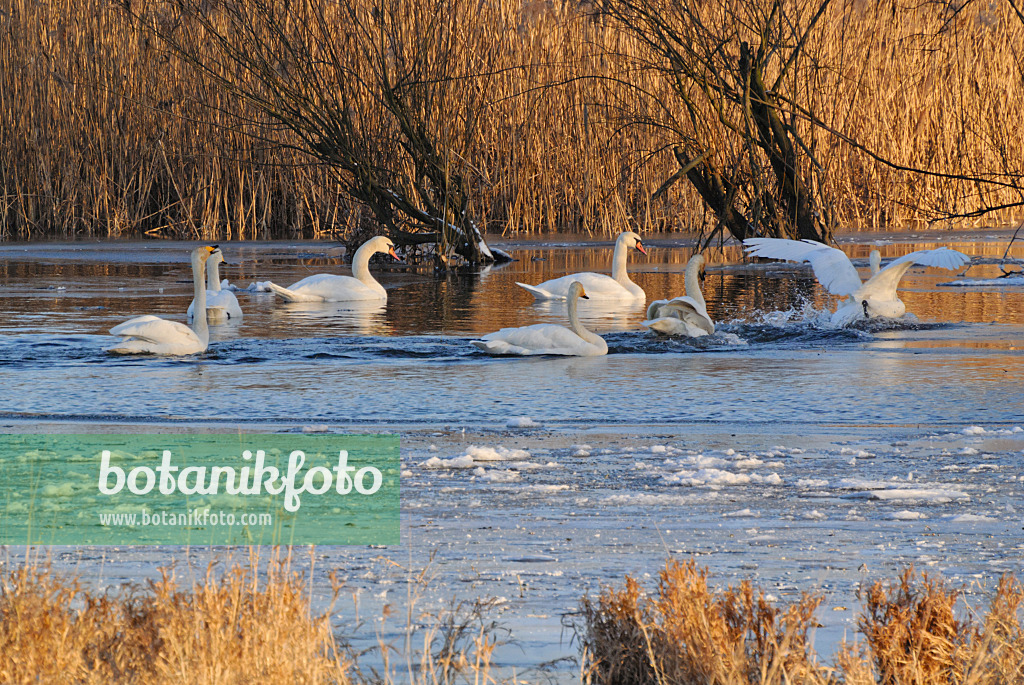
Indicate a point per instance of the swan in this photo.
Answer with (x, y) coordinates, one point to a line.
(152, 335)
(361, 285)
(547, 338)
(686, 315)
(599, 286)
(220, 304)
(874, 298)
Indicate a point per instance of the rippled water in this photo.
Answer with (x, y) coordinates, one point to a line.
(775, 357)
(772, 450)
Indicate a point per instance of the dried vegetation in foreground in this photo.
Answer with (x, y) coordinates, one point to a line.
(688, 633)
(104, 132)
(250, 622)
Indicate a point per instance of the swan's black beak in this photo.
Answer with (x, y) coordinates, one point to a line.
(640, 246)
(584, 297)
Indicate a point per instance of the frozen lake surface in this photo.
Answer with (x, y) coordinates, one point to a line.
(781, 450)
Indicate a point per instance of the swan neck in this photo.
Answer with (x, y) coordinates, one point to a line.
(577, 327)
(692, 282)
(361, 264)
(199, 313)
(619, 261)
(212, 275)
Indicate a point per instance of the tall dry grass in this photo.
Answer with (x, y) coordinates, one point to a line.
(250, 622)
(104, 133)
(235, 628)
(913, 632)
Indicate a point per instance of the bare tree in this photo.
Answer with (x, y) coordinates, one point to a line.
(733, 68)
(386, 93)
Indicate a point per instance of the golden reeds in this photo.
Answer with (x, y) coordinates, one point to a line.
(914, 630)
(105, 133)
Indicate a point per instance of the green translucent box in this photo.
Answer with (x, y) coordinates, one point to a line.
(206, 489)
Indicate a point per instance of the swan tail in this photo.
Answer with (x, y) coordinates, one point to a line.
(284, 293)
(537, 292)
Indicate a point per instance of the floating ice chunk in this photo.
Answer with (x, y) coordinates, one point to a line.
(698, 461)
(463, 462)
(658, 449)
(496, 475)
(742, 513)
(713, 477)
(521, 422)
(907, 515)
(973, 430)
(812, 483)
(499, 453)
(62, 490)
(968, 451)
(748, 463)
(320, 428)
(937, 495)
(815, 515)
(970, 518)
(544, 489)
(857, 454)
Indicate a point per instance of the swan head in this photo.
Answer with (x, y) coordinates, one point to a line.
(383, 244)
(631, 239)
(217, 257)
(203, 253)
(576, 290)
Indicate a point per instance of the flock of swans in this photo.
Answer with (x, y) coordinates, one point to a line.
(685, 315)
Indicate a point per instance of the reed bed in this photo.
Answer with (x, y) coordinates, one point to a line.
(105, 133)
(250, 622)
(914, 632)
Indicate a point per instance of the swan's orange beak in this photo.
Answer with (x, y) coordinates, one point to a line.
(640, 246)
(391, 251)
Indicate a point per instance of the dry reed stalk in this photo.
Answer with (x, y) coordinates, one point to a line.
(236, 628)
(103, 133)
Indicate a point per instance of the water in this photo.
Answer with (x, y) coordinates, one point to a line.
(781, 449)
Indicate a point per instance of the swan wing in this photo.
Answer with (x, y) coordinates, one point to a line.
(156, 330)
(685, 309)
(226, 300)
(598, 286)
(329, 288)
(832, 267)
(542, 338)
(883, 284)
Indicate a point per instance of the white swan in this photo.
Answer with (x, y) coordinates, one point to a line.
(686, 315)
(874, 298)
(361, 285)
(599, 286)
(220, 304)
(153, 335)
(547, 338)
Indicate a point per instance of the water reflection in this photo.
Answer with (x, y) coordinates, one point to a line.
(86, 289)
(350, 318)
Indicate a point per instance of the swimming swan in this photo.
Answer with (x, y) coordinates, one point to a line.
(686, 315)
(153, 335)
(547, 338)
(874, 298)
(220, 304)
(361, 285)
(599, 286)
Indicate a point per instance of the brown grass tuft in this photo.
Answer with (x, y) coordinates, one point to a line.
(688, 633)
(235, 628)
(917, 631)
